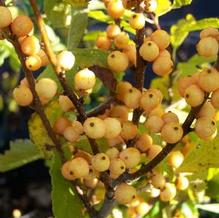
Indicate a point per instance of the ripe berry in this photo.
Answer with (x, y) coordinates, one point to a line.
(131, 157)
(153, 151)
(94, 127)
(157, 111)
(194, 96)
(120, 112)
(162, 66)
(154, 124)
(76, 168)
(30, 45)
(121, 40)
(44, 58)
(170, 117)
(161, 38)
(182, 183)
(208, 80)
(122, 88)
(78, 127)
(115, 142)
(129, 130)
(33, 62)
(184, 83)
(100, 162)
(60, 125)
(115, 9)
(46, 88)
(137, 21)
(207, 110)
(165, 53)
(84, 79)
(6, 17)
(168, 193)
(175, 159)
(65, 103)
(112, 31)
(158, 180)
(215, 99)
(71, 134)
(208, 47)
(205, 128)
(118, 61)
(130, 51)
(103, 43)
(66, 60)
(113, 128)
(112, 153)
(143, 208)
(209, 32)
(117, 167)
(125, 193)
(24, 82)
(144, 142)
(149, 51)
(132, 98)
(21, 26)
(172, 132)
(150, 99)
(23, 96)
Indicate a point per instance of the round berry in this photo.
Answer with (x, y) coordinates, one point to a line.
(209, 32)
(94, 127)
(153, 151)
(149, 51)
(154, 124)
(125, 193)
(165, 53)
(44, 58)
(71, 134)
(112, 153)
(30, 45)
(120, 112)
(158, 180)
(100, 162)
(103, 43)
(170, 117)
(130, 51)
(84, 79)
(23, 96)
(137, 21)
(144, 142)
(161, 38)
(115, 9)
(207, 110)
(182, 183)
(215, 99)
(60, 125)
(65, 103)
(118, 61)
(129, 130)
(121, 40)
(6, 17)
(117, 167)
(175, 159)
(113, 128)
(162, 66)
(66, 60)
(184, 83)
(132, 98)
(112, 31)
(122, 88)
(168, 193)
(78, 127)
(33, 62)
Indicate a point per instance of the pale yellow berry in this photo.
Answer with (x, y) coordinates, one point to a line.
(115, 9)
(78, 127)
(144, 142)
(215, 99)
(209, 32)
(175, 159)
(168, 193)
(100, 162)
(30, 45)
(103, 43)
(182, 183)
(130, 51)
(149, 51)
(137, 21)
(65, 103)
(43, 57)
(170, 117)
(158, 180)
(120, 112)
(132, 98)
(165, 53)
(113, 128)
(112, 153)
(117, 166)
(122, 88)
(60, 125)
(184, 83)
(71, 134)
(129, 130)
(6, 17)
(23, 96)
(162, 66)
(66, 60)
(153, 151)
(207, 47)
(113, 30)
(161, 38)
(154, 124)
(33, 62)
(207, 110)
(121, 40)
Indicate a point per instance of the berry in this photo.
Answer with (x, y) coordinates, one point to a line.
(78, 127)
(94, 127)
(175, 159)
(21, 26)
(112, 31)
(184, 83)
(121, 40)
(208, 80)
(205, 128)
(115, 9)
(162, 66)
(144, 142)
(116, 141)
(66, 60)
(143, 208)
(161, 38)
(125, 193)
(154, 124)
(100, 162)
(215, 99)
(76, 168)
(113, 128)
(46, 88)
(132, 98)
(122, 88)
(130, 51)
(182, 183)
(209, 32)
(153, 151)
(112, 153)
(207, 47)
(137, 21)
(207, 110)
(118, 61)
(157, 111)
(103, 43)
(23, 96)
(33, 63)
(6, 17)
(30, 45)
(60, 125)
(117, 167)
(84, 79)
(44, 58)
(172, 132)
(170, 117)
(71, 134)
(129, 130)
(168, 193)
(120, 112)
(131, 157)
(149, 51)
(158, 180)
(24, 82)
(65, 103)
(165, 53)
(194, 96)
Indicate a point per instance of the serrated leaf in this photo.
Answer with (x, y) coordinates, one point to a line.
(203, 155)
(79, 20)
(180, 3)
(21, 152)
(181, 30)
(65, 203)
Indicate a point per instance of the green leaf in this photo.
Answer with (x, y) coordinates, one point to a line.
(155, 212)
(213, 208)
(92, 35)
(180, 3)
(65, 203)
(77, 3)
(77, 28)
(21, 152)
(100, 16)
(203, 155)
(181, 30)
(163, 6)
